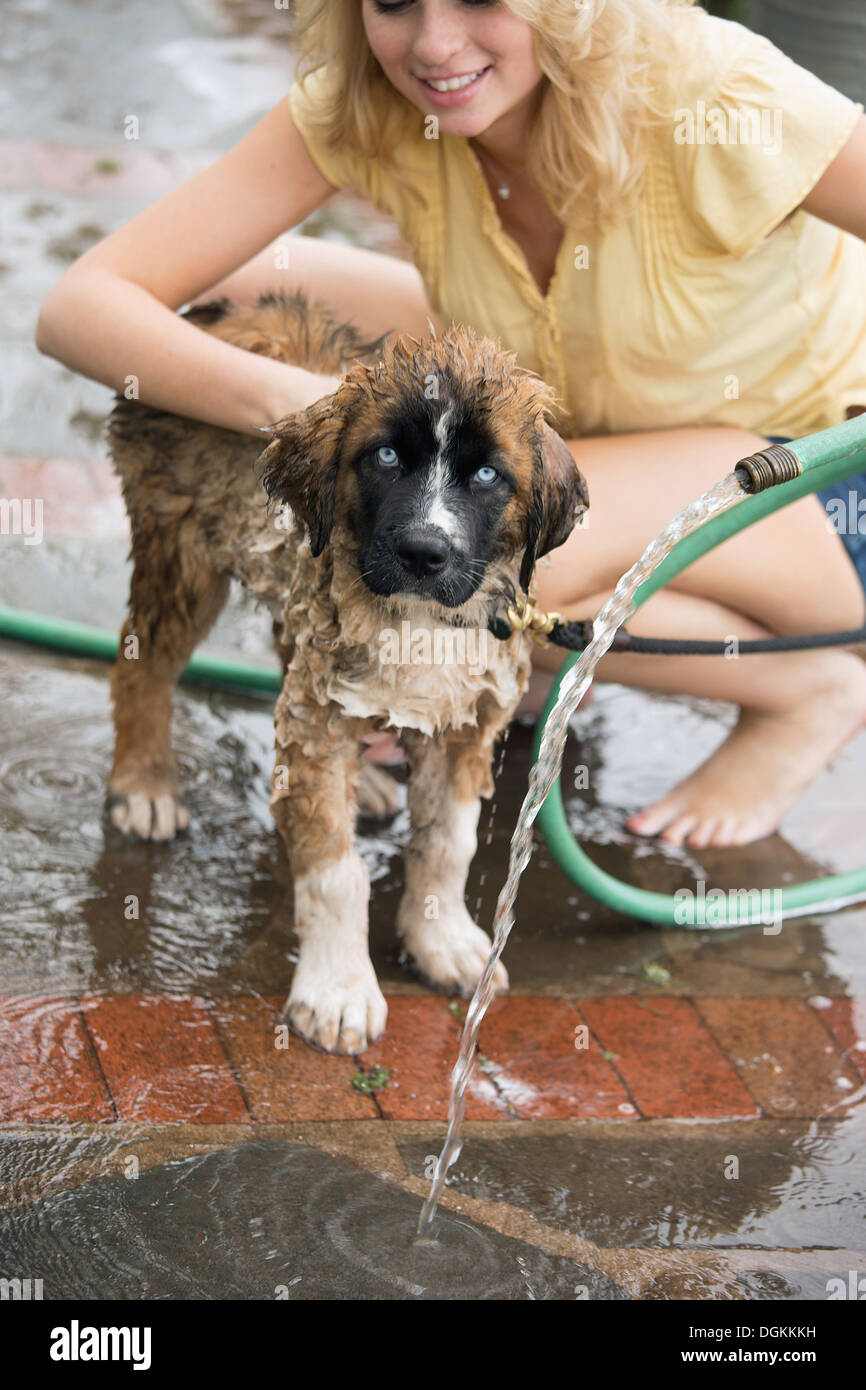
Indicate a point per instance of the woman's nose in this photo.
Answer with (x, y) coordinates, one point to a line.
(439, 36)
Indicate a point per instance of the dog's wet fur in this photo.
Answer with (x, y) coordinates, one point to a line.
(422, 492)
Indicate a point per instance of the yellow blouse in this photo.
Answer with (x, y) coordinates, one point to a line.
(715, 302)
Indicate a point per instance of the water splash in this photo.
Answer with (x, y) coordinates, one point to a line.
(618, 609)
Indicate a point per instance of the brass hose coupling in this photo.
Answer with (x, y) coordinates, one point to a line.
(525, 617)
(769, 467)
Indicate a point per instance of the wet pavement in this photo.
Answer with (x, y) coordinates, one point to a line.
(156, 1139)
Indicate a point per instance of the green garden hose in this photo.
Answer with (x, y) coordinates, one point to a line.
(826, 457)
(84, 640)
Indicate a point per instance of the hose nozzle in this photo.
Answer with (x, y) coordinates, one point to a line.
(769, 467)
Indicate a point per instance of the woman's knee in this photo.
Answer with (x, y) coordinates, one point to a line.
(637, 483)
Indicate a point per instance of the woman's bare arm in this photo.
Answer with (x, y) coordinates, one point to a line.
(111, 316)
(839, 196)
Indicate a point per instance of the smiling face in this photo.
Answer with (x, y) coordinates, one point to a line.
(468, 64)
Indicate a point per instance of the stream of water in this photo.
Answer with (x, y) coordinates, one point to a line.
(618, 609)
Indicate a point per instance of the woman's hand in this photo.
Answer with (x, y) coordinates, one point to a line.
(294, 390)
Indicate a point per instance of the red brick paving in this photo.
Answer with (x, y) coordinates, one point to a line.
(783, 1053)
(164, 1059)
(48, 1070)
(670, 1063)
(547, 1069)
(290, 1083)
(420, 1049)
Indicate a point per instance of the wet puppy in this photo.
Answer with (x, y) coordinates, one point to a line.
(411, 507)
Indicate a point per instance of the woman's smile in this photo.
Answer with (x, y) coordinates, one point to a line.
(457, 90)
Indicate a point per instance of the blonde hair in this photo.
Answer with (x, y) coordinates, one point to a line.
(602, 62)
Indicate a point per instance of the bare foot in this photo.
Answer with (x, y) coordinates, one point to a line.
(743, 791)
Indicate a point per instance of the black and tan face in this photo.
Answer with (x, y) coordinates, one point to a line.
(432, 486)
(438, 462)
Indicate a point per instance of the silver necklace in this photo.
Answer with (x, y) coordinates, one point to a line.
(503, 186)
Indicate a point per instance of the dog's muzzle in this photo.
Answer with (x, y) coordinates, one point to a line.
(424, 552)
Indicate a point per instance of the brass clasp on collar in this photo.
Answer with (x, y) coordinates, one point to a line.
(525, 617)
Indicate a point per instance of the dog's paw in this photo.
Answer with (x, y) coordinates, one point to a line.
(450, 950)
(338, 1009)
(152, 810)
(378, 793)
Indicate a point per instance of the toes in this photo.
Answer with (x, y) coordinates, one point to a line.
(725, 831)
(353, 1026)
(500, 977)
(301, 1017)
(377, 1017)
(147, 817)
(328, 1030)
(703, 834)
(470, 968)
(345, 1022)
(139, 815)
(654, 819)
(166, 817)
(677, 831)
(453, 954)
(118, 811)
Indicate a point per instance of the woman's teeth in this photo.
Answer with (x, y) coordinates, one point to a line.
(453, 84)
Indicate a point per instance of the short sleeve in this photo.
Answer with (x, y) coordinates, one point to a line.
(408, 202)
(751, 143)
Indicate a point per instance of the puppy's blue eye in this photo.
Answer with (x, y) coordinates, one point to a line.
(386, 456)
(486, 474)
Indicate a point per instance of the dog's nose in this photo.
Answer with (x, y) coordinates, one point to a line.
(424, 554)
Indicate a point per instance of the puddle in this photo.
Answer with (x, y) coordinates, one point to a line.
(268, 1220)
(797, 1185)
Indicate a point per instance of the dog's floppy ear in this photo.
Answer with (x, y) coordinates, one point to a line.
(301, 466)
(559, 498)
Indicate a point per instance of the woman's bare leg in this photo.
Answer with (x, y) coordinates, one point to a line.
(788, 574)
(376, 292)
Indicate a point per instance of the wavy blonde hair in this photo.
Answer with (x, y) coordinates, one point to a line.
(602, 62)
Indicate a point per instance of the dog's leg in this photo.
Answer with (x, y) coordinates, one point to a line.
(175, 596)
(335, 1000)
(449, 775)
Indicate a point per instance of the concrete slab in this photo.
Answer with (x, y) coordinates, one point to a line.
(270, 1220)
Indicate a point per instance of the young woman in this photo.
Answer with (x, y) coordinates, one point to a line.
(660, 213)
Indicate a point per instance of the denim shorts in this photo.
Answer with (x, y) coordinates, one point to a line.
(845, 504)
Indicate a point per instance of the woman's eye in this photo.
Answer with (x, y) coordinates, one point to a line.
(386, 456)
(486, 474)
